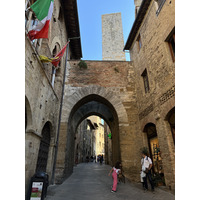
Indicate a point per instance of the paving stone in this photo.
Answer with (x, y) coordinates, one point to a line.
(90, 181)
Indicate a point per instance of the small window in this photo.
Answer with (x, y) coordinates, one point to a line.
(139, 43)
(160, 4)
(146, 81)
(171, 42)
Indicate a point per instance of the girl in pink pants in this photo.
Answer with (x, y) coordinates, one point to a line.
(115, 170)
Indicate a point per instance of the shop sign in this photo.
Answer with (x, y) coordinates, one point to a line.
(36, 192)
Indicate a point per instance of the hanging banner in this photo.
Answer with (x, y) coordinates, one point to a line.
(36, 192)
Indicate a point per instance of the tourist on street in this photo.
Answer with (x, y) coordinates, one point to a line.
(146, 168)
(115, 170)
(101, 159)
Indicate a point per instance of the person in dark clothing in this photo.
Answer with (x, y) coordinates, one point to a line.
(101, 159)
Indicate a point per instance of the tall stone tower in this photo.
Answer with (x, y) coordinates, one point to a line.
(112, 37)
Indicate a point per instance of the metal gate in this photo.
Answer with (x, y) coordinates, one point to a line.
(44, 149)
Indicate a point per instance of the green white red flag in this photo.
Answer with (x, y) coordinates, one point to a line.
(43, 10)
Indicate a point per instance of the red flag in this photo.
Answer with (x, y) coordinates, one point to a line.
(58, 56)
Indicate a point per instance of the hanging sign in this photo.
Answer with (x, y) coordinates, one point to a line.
(110, 136)
(36, 192)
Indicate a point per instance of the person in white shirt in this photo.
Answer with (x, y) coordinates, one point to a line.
(146, 168)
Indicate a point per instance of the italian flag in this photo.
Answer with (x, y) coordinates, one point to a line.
(43, 10)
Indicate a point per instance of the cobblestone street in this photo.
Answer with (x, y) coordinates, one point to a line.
(90, 181)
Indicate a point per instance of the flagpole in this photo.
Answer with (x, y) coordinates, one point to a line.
(60, 113)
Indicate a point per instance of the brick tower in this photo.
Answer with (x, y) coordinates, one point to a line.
(112, 37)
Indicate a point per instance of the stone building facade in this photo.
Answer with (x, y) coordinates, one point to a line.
(42, 98)
(98, 135)
(152, 49)
(84, 141)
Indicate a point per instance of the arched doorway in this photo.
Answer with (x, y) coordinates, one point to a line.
(87, 106)
(92, 135)
(44, 148)
(155, 153)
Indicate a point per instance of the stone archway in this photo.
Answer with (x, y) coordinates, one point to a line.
(91, 105)
(73, 95)
(92, 100)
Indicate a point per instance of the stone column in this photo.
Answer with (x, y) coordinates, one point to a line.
(167, 149)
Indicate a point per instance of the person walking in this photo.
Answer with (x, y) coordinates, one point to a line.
(115, 170)
(146, 163)
(101, 159)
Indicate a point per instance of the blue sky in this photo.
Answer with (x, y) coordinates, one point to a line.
(90, 12)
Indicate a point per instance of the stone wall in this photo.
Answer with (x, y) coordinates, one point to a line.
(154, 56)
(113, 81)
(42, 100)
(42, 109)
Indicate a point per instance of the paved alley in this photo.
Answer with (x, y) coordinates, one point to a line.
(90, 181)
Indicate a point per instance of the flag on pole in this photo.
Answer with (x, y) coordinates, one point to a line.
(46, 59)
(55, 60)
(59, 55)
(43, 10)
